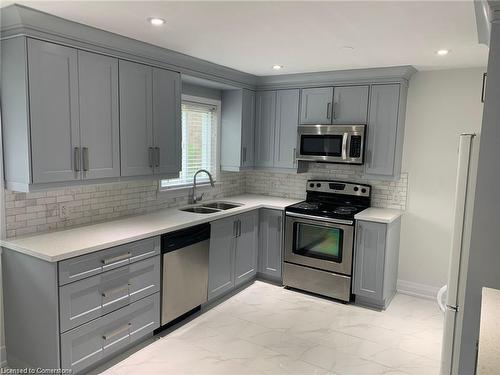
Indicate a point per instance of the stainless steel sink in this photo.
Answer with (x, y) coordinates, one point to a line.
(199, 210)
(221, 205)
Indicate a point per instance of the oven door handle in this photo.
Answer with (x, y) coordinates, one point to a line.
(320, 218)
(344, 146)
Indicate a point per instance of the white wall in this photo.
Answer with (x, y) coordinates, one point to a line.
(441, 105)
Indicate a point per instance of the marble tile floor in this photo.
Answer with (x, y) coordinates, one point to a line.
(266, 329)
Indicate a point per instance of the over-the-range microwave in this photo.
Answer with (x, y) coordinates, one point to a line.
(331, 143)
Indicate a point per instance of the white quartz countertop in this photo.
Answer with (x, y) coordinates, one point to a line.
(68, 243)
(488, 360)
(379, 215)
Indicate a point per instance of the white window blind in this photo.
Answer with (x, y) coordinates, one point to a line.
(199, 143)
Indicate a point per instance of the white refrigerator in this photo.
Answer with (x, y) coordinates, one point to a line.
(459, 258)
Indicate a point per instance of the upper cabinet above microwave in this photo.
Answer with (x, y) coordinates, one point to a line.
(64, 126)
(334, 105)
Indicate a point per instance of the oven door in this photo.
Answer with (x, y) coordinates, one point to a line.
(320, 244)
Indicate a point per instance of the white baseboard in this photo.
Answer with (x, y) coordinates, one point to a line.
(3, 356)
(417, 290)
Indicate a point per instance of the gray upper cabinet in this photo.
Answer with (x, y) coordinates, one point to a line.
(265, 118)
(270, 243)
(376, 262)
(246, 247)
(221, 258)
(276, 124)
(238, 124)
(53, 100)
(287, 117)
(385, 131)
(350, 105)
(99, 117)
(167, 127)
(136, 122)
(150, 123)
(316, 105)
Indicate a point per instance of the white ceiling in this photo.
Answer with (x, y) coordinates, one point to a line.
(302, 36)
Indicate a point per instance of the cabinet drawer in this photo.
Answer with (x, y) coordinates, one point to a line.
(86, 345)
(98, 295)
(95, 263)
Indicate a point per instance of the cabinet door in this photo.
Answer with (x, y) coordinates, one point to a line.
(287, 121)
(136, 128)
(53, 95)
(350, 105)
(382, 130)
(265, 119)
(369, 260)
(270, 242)
(221, 258)
(167, 127)
(316, 105)
(247, 128)
(246, 248)
(99, 123)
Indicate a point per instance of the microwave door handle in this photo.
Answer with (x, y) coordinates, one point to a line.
(344, 146)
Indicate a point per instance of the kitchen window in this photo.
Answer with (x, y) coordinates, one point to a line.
(200, 128)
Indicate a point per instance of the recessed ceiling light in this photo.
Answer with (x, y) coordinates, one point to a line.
(156, 21)
(277, 67)
(443, 52)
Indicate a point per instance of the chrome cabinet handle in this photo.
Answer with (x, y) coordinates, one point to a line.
(334, 107)
(150, 156)
(157, 157)
(328, 110)
(239, 228)
(85, 157)
(344, 146)
(244, 154)
(235, 228)
(110, 292)
(116, 332)
(294, 156)
(77, 157)
(117, 258)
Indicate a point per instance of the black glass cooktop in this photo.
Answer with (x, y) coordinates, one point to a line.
(322, 209)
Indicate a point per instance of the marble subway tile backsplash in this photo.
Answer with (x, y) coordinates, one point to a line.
(386, 194)
(28, 213)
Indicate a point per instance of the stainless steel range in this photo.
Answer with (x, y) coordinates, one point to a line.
(319, 237)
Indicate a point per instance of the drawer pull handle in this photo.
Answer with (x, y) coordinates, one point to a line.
(110, 292)
(117, 332)
(116, 258)
(143, 255)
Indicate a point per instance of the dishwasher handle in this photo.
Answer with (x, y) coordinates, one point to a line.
(184, 237)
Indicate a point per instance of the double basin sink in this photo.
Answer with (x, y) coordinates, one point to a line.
(211, 208)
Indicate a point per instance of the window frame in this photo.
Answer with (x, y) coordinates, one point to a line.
(181, 189)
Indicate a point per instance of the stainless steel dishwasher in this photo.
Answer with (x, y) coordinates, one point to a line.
(185, 271)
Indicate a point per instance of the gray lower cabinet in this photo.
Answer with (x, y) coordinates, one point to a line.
(270, 243)
(237, 129)
(376, 262)
(233, 253)
(385, 131)
(316, 105)
(150, 122)
(246, 247)
(90, 343)
(87, 308)
(276, 129)
(221, 258)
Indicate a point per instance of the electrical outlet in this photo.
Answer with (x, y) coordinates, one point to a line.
(63, 211)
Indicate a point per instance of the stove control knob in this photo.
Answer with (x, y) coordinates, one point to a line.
(356, 188)
(363, 190)
(311, 185)
(318, 185)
